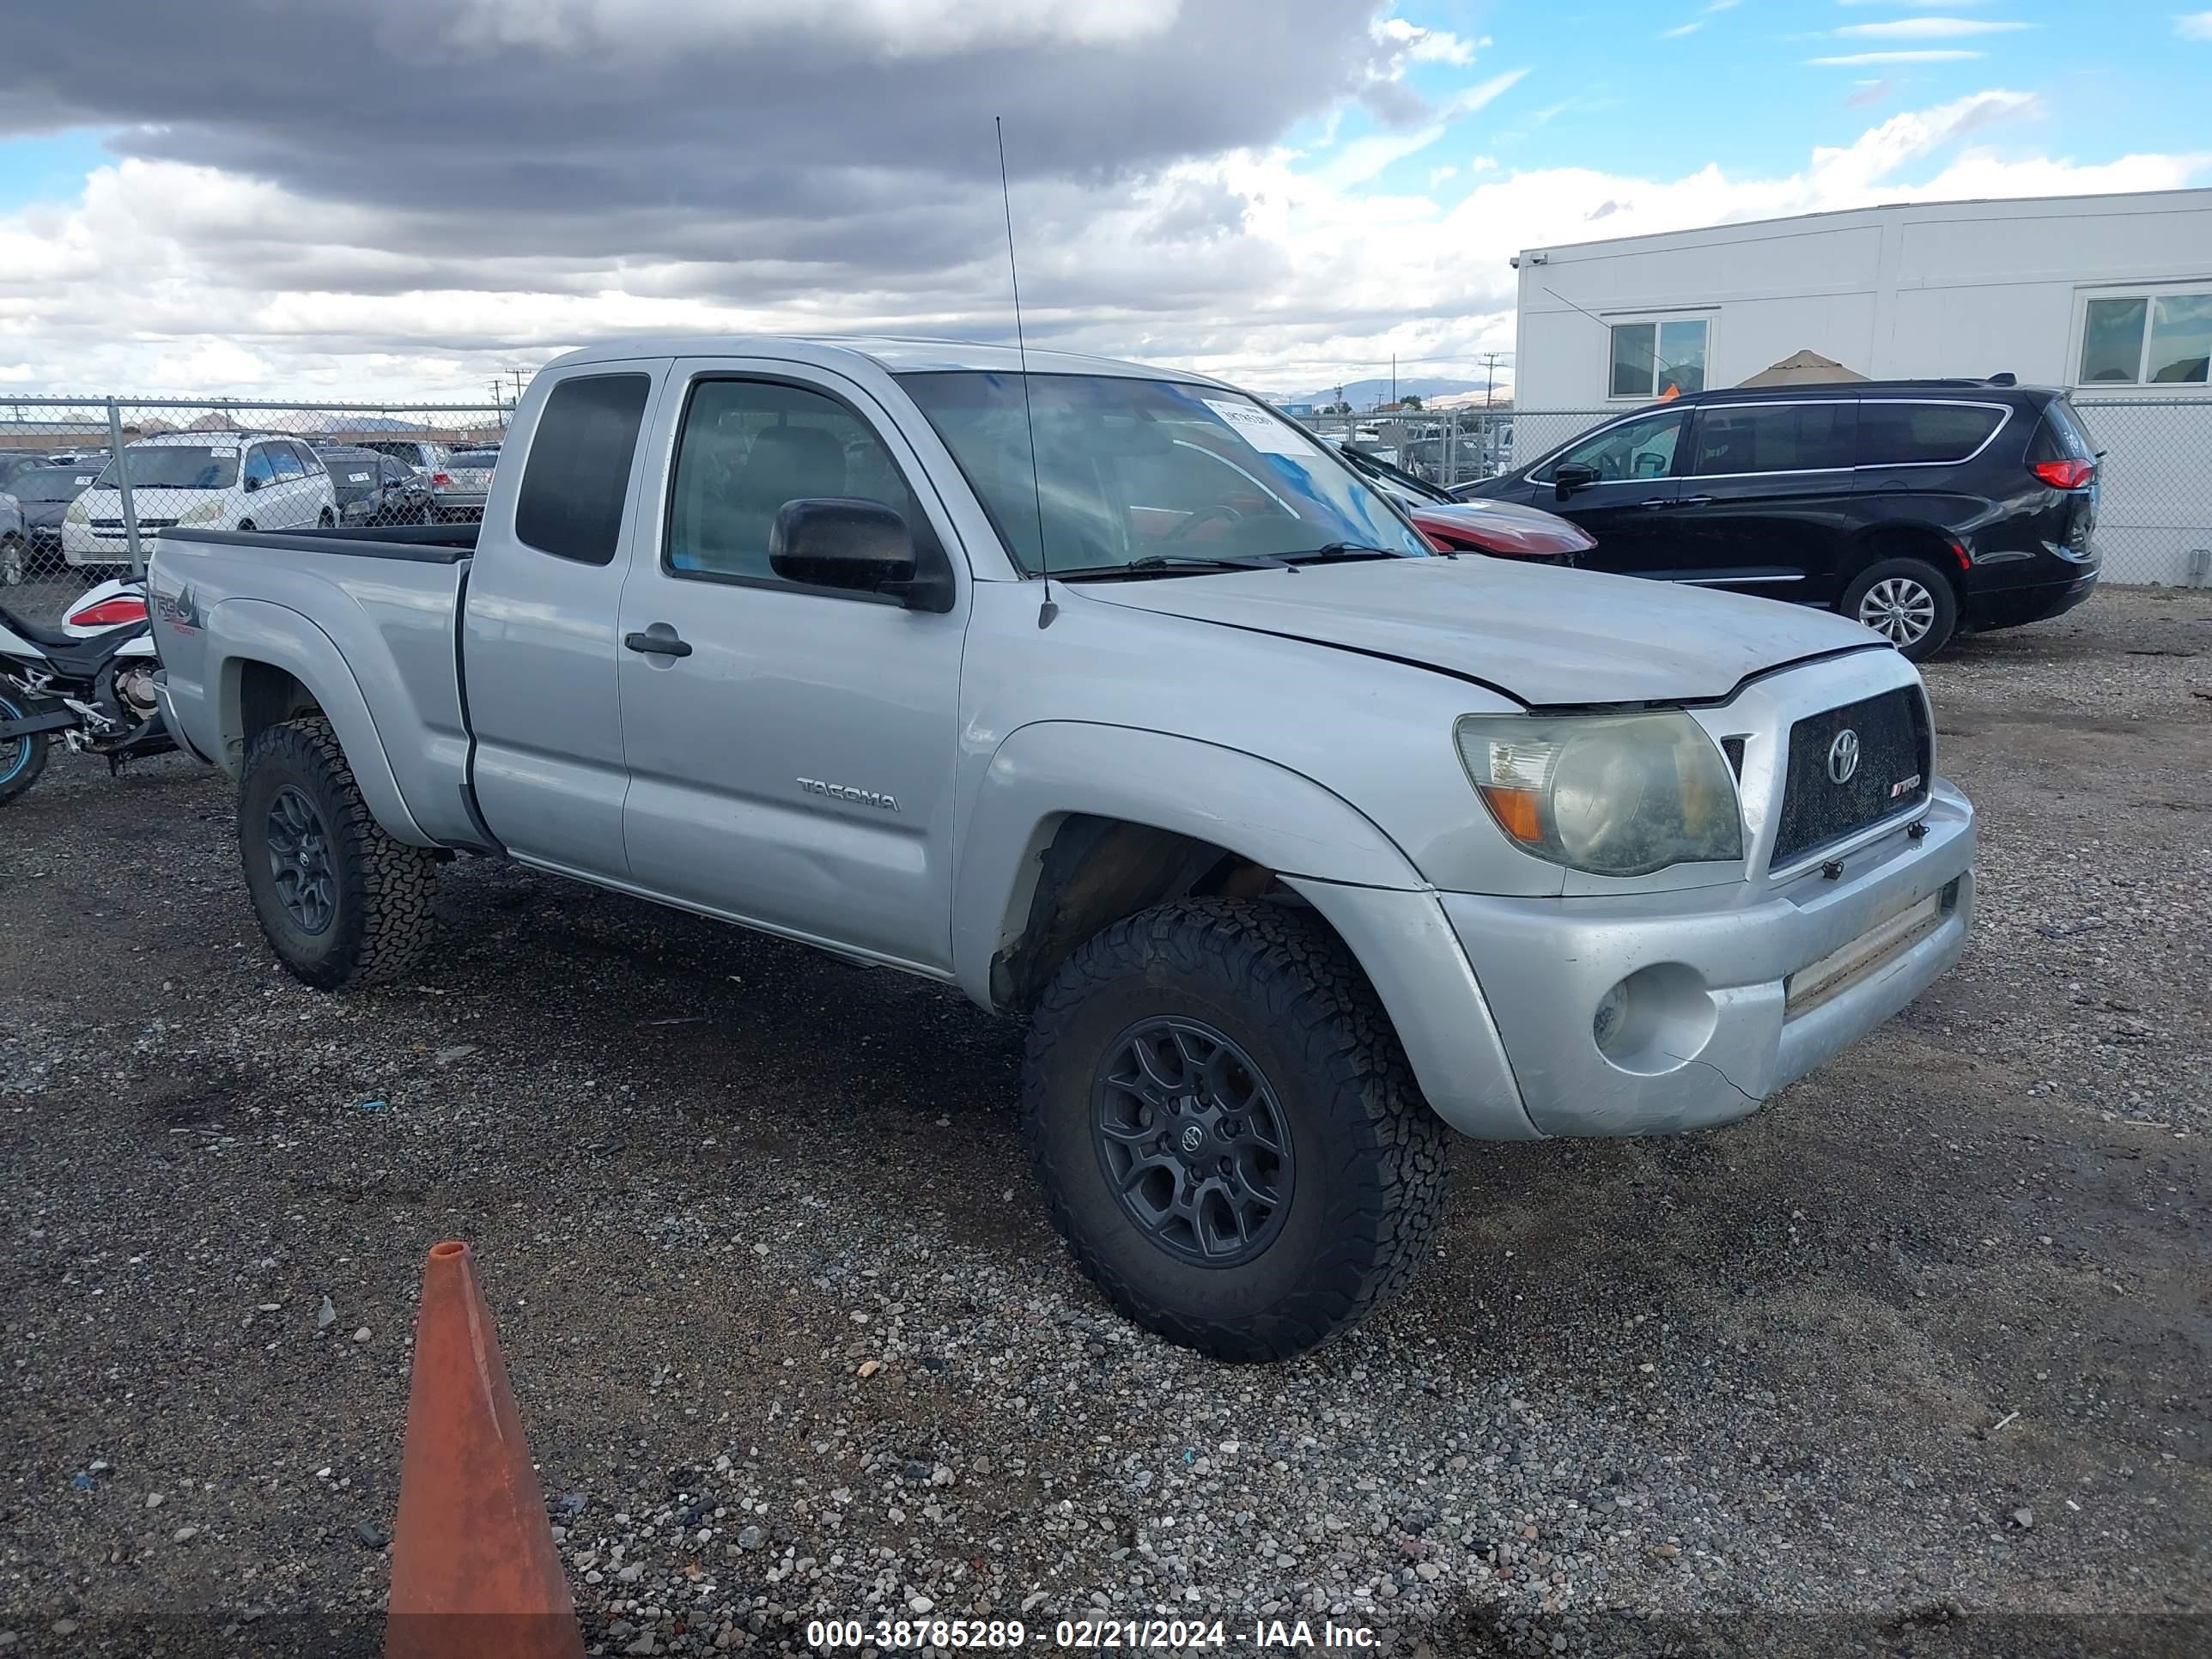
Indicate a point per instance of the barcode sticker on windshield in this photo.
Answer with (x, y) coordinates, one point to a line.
(84, 477)
(1259, 429)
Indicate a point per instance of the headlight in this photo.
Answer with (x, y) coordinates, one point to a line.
(1613, 794)
(78, 512)
(205, 513)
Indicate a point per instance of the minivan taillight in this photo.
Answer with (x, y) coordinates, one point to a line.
(109, 613)
(442, 480)
(2064, 475)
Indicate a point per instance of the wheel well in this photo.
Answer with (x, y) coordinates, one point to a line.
(1925, 543)
(267, 696)
(1092, 871)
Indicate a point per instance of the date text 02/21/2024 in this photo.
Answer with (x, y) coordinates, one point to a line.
(1083, 1634)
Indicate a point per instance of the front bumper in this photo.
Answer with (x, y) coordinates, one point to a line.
(1718, 1035)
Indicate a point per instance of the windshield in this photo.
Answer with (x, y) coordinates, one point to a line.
(1395, 479)
(474, 460)
(1130, 469)
(176, 466)
(49, 483)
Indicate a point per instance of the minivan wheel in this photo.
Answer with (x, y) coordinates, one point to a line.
(341, 902)
(326, 519)
(1908, 603)
(1228, 1134)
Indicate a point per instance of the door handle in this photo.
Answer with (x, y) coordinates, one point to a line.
(1695, 500)
(658, 640)
(1656, 501)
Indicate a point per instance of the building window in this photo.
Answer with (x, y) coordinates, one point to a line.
(1658, 359)
(2147, 339)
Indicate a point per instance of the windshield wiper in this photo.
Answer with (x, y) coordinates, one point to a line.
(1176, 564)
(1339, 553)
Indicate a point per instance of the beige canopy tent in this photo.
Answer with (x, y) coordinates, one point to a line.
(1804, 369)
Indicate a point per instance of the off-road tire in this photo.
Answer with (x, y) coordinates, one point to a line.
(1943, 621)
(27, 767)
(1370, 1155)
(383, 915)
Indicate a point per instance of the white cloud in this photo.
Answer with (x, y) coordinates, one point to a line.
(2194, 24)
(1930, 28)
(1437, 175)
(1423, 46)
(1851, 60)
(1705, 15)
(891, 28)
(1257, 263)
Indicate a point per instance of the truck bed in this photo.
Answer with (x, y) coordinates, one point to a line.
(368, 617)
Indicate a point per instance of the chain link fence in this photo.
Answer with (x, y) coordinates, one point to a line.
(86, 483)
(2154, 514)
(68, 507)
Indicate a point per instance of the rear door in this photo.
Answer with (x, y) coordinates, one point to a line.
(539, 643)
(793, 767)
(1628, 508)
(1768, 502)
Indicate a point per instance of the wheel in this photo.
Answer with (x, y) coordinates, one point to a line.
(1226, 1131)
(1908, 603)
(244, 526)
(341, 903)
(22, 759)
(326, 519)
(13, 555)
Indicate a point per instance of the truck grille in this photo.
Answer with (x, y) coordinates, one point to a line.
(143, 524)
(1885, 761)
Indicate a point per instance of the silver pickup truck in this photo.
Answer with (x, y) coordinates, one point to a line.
(1108, 696)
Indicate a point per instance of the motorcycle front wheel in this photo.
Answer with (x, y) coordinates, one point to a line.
(22, 759)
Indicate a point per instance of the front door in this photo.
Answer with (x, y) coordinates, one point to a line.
(1627, 507)
(1766, 503)
(792, 766)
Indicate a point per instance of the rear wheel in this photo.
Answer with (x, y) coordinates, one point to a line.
(1228, 1133)
(1908, 602)
(341, 903)
(22, 759)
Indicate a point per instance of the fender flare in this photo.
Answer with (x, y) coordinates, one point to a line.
(241, 631)
(1044, 773)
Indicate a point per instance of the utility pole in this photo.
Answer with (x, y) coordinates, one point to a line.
(1393, 377)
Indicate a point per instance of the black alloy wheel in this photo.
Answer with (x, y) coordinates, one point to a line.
(300, 861)
(1192, 1142)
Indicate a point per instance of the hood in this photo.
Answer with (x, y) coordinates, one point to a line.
(1542, 634)
(44, 514)
(1506, 527)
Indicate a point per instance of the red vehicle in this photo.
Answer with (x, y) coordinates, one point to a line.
(1506, 529)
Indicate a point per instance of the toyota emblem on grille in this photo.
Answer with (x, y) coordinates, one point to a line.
(1844, 756)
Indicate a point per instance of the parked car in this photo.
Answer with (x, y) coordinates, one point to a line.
(375, 488)
(458, 487)
(226, 480)
(15, 542)
(14, 463)
(1506, 529)
(46, 493)
(423, 457)
(1165, 730)
(1917, 506)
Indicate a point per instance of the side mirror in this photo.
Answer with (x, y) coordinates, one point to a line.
(1571, 475)
(861, 546)
(252, 484)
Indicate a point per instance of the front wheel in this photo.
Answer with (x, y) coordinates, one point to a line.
(326, 519)
(1908, 603)
(1228, 1134)
(341, 903)
(22, 759)
(13, 558)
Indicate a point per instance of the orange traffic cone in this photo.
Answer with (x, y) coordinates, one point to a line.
(474, 1571)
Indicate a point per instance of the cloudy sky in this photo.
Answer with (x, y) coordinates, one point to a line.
(401, 197)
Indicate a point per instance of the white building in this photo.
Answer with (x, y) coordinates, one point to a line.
(2110, 295)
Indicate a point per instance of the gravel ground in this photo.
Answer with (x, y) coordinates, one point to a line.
(1915, 1361)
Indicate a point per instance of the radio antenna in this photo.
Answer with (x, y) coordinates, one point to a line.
(1047, 610)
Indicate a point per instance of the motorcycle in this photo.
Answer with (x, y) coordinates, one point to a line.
(90, 682)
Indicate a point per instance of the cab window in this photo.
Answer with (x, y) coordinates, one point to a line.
(747, 447)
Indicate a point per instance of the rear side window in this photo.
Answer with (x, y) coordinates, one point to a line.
(286, 462)
(573, 486)
(1774, 438)
(1911, 434)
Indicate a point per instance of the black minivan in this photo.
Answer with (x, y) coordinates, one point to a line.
(1918, 507)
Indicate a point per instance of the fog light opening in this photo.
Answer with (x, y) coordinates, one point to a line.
(1656, 1020)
